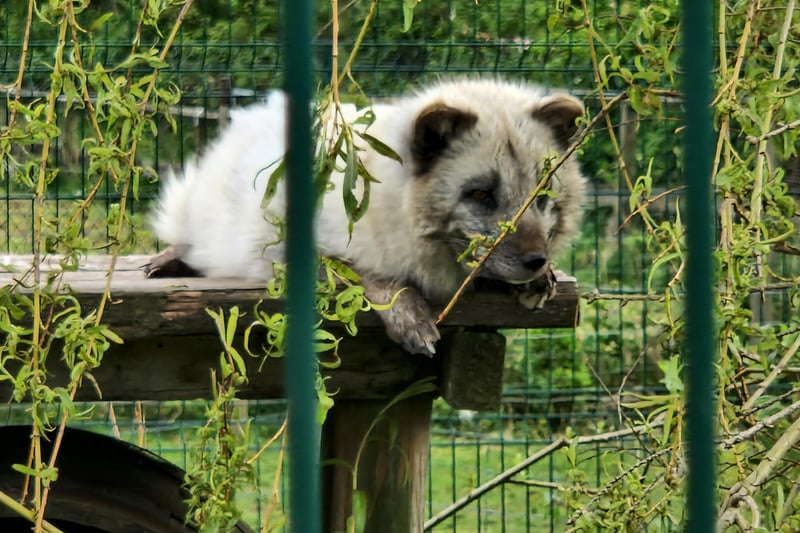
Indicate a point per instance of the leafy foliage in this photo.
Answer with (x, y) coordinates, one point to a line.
(45, 320)
(92, 117)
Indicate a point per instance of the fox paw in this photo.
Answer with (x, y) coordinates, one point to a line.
(411, 323)
(535, 294)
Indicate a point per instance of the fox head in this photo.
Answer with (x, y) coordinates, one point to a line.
(478, 150)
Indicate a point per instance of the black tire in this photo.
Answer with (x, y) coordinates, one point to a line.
(104, 486)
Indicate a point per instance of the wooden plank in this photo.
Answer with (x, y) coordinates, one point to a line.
(145, 307)
(171, 344)
(179, 368)
(372, 367)
(392, 470)
(468, 370)
(182, 310)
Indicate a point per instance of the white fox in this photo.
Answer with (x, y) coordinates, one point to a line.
(471, 151)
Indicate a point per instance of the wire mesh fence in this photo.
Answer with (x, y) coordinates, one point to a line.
(556, 382)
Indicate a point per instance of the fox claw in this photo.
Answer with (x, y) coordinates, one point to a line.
(410, 321)
(169, 264)
(539, 291)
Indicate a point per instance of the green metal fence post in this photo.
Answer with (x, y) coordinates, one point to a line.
(700, 338)
(301, 261)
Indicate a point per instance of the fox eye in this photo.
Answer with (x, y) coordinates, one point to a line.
(482, 197)
(543, 201)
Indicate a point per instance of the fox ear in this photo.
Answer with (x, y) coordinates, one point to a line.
(434, 129)
(559, 111)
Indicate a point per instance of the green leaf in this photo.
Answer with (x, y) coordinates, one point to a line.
(359, 517)
(672, 374)
(408, 13)
(100, 21)
(351, 205)
(324, 404)
(26, 470)
(380, 147)
(110, 335)
(274, 179)
(325, 341)
(233, 320)
(225, 367)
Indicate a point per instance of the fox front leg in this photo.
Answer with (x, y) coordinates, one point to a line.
(410, 321)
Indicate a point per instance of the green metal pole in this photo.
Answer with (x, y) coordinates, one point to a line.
(700, 330)
(301, 268)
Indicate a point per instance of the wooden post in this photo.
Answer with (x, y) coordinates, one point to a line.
(472, 369)
(392, 467)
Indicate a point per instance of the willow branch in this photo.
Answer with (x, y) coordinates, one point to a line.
(742, 492)
(26, 513)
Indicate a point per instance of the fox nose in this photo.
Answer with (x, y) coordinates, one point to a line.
(534, 261)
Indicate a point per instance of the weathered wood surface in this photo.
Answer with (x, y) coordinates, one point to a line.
(472, 369)
(146, 307)
(393, 467)
(170, 341)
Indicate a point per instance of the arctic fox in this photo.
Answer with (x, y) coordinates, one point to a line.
(471, 151)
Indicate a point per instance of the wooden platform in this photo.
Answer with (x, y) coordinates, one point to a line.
(164, 325)
(171, 346)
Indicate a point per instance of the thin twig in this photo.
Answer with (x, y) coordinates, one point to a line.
(788, 394)
(614, 399)
(551, 485)
(276, 482)
(330, 22)
(75, 384)
(741, 52)
(756, 199)
(26, 513)
(269, 443)
(346, 72)
(619, 477)
(776, 371)
(612, 136)
(476, 493)
(777, 131)
(139, 418)
(743, 490)
(595, 295)
(17, 85)
(769, 421)
(647, 203)
(504, 476)
(38, 333)
(786, 511)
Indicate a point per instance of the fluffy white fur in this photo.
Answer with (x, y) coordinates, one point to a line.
(215, 207)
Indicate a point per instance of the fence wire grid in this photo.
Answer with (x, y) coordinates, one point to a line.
(228, 54)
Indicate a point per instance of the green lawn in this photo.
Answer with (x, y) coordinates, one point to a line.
(460, 460)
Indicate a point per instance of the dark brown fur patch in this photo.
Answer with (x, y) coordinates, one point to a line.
(560, 114)
(435, 128)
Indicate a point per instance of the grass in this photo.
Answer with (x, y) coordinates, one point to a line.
(459, 466)
(463, 455)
